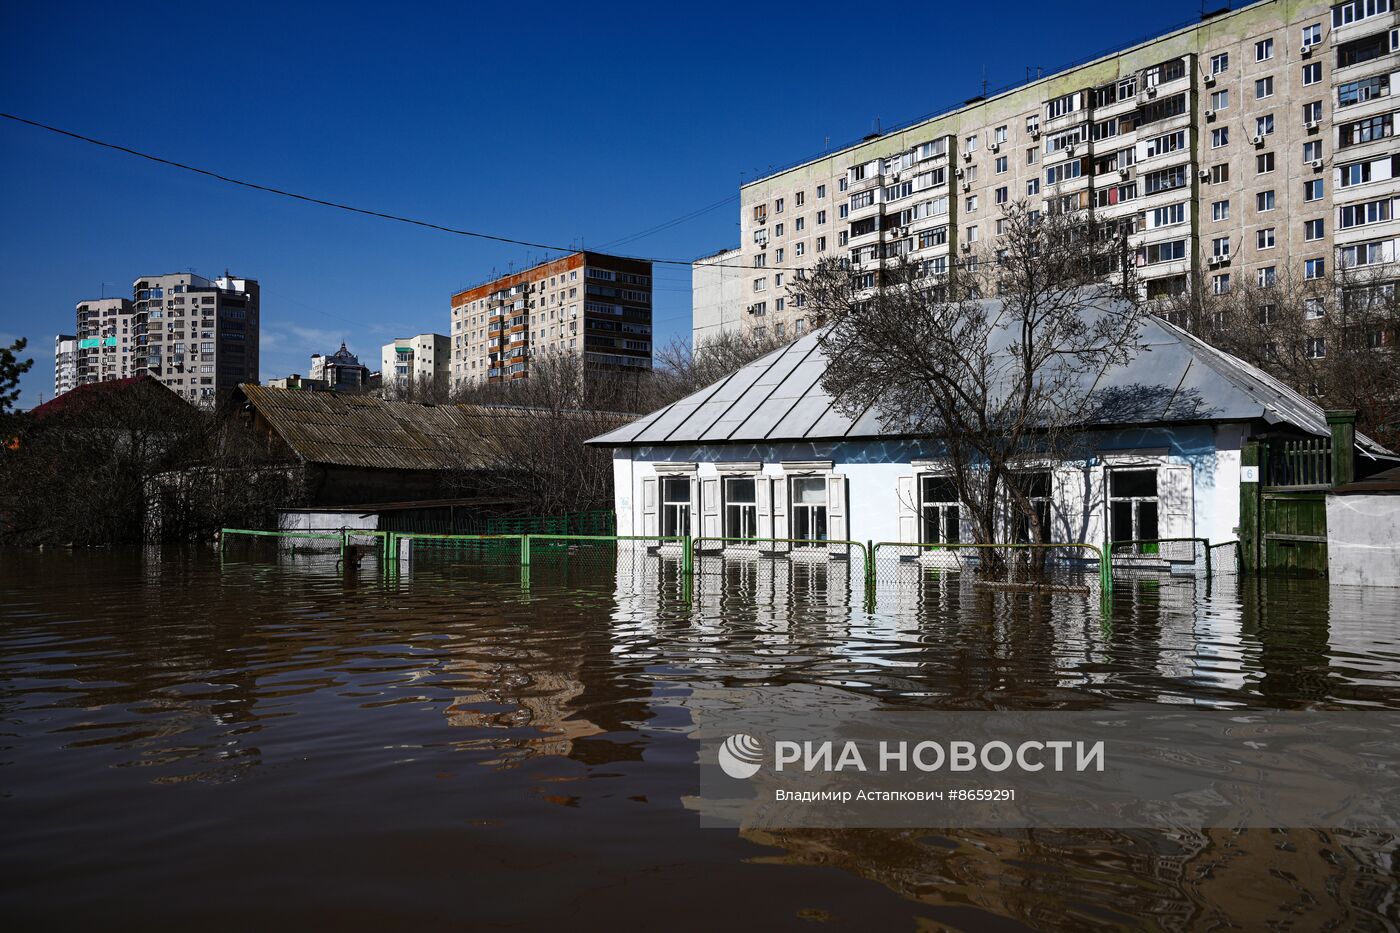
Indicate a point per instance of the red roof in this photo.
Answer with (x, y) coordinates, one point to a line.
(90, 392)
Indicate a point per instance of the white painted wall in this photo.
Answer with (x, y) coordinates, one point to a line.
(1363, 539)
(305, 520)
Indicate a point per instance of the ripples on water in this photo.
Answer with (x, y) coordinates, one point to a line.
(275, 742)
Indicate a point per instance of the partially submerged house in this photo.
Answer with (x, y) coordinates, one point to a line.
(766, 453)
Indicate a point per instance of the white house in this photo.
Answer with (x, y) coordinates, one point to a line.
(764, 453)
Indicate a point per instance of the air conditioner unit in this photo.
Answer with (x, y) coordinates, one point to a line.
(967, 186)
(1316, 164)
(1306, 50)
(1035, 133)
(967, 157)
(903, 231)
(1214, 260)
(1069, 150)
(996, 147)
(1152, 92)
(1210, 114)
(1205, 173)
(1310, 125)
(967, 247)
(1258, 140)
(958, 173)
(1210, 80)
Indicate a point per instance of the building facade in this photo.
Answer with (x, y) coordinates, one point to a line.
(340, 370)
(104, 340)
(198, 336)
(1256, 144)
(717, 295)
(411, 360)
(588, 305)
(65, 363)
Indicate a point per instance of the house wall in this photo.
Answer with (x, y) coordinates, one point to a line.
(1363, 539)
(1198, 481)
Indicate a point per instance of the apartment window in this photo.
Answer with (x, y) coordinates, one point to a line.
(1314, 268)
(1170, 251)
(778, 206)
(1133, 507)
(1033, 187)
(1358, 92)
(799, 224)
(843, 211)
(1264, 126)
(1370, 212)
(1312, 190)
(1220, 210)
(1317, 348)
(935, 237)
(1032, 155)
(1220, 100)
(970, 143)
(1312, 34)
(939, 519)
(760, 284)
(808, 508)
(842, 238)
(778, 256)
(1264, 239)
(821, 218)
(1033, 123)
(841, 184)
(779, 230)
(971, 203)
(1219, 63)
(1312, 112)
(1312, 229)
(1346, 13)
(1001, 195)
(760, 261)
(1219, 137)
(1312, 73)
(999, 134)
(1362, 50)
(972, 234)
(821, 192)
(1168, 216)
(799, 249)
(1263, 50)
(800, 198)
(1220, 284)
(1220, 247)
(1267, 277)
(1219, 173)
(1313, 309)
(740, 507)
(1312, 151)
(1264, 201)
(821, 244)
(1365, 131)
(1263, 163)
(1264, 88)
(1001, 165)
(675, 506)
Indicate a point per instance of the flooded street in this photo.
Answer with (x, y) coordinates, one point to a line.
(275, 743)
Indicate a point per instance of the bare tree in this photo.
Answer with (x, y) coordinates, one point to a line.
(1332, 339)
(1000, 384)
(683, 369)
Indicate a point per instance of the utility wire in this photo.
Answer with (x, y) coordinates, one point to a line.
(382, 215)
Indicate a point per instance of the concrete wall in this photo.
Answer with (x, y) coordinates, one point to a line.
(717, 295)
(1363, 539)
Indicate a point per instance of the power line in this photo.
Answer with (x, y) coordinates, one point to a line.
(368, 212)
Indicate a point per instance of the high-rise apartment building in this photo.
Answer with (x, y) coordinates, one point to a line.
(411, 360)
(590, 305)
(197, 336)
(1257, 143)
(65, 363)
(104, 339)
(717, 294)
(340, 370)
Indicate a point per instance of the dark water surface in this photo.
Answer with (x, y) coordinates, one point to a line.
(276, 744)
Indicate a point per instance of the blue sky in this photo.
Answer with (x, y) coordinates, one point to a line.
(555, 124)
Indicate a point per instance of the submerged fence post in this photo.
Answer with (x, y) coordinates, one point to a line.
(525, 550)
(687, 555)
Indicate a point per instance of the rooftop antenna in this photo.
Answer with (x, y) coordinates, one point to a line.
(104, 289)
(826, 144)
(984, 79)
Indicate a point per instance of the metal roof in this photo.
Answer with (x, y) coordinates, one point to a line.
(363, 431)
(1175, 378)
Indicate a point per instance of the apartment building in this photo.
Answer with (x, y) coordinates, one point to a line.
(104, 339)
(65, 363)
(340, 370)
(717, 294)
(197, 336)
(1255, 143)
(410, 360)
(590, 305)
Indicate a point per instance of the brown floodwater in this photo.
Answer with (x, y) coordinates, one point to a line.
(273, 743)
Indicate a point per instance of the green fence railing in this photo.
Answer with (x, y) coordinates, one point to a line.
(1095, 557)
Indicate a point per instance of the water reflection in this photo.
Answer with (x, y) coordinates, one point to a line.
(294, 713)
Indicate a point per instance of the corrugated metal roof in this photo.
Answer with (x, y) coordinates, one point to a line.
(1175, 378)
(363, 431)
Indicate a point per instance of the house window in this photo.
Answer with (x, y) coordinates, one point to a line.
(1132, 503)
(1317, 348)
(809, 508)
(1037, 489)
(675, 506)
(740, 507)
(938, 510)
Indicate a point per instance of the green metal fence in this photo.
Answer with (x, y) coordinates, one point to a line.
(1065, 567)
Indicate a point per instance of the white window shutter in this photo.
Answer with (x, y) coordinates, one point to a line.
(709, 507)
(694, 528)
(836, 529)
(763, 495)
(780, 507)
(650, 521)
(908, 510)
(1176, 509)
